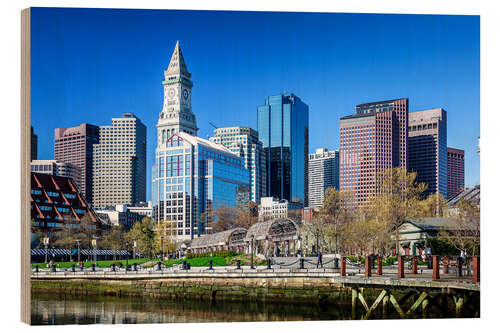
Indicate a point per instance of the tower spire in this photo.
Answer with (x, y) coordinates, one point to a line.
(177, 64)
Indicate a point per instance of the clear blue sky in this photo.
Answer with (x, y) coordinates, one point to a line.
(89, 65)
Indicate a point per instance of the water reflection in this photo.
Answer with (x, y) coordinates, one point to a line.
(60, 310)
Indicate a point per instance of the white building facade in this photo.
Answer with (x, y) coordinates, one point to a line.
(323, 173)
(272, 208)
(56, 168)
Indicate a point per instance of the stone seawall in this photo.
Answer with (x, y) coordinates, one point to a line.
(297, 290)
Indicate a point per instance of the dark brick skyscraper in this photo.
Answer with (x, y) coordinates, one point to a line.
(373, 139)
(74, 145)
(456, 171)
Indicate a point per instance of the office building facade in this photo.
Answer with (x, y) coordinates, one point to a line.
(323, 173)
(34, 144)
(75, 145)
(373, 139)
(56, 168)
(119, 163)
(273, 208)
(244, 142)
(283, 127)
(456, 171)
(192, 177)
(427, 142)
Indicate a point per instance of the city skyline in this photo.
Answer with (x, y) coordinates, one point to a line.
(79, 72)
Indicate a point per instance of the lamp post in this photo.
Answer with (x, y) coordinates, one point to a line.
(252, 246)
(161, 246)
(46, 243)
(133, 249)
(78, 250)
(94, 244)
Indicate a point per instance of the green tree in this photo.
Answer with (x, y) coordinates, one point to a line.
(143, 234)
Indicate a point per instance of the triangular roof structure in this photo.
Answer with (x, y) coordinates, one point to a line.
(177, 63)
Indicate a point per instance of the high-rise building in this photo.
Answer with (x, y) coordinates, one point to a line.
(373, 139)
(456, 171)
(75, 145)
(55, 168)
(272, 208)
(427, 141)
(244, 142)
(34, 144)
(176, 115)
(120, 163)
(283, 126)
(323, 173)
(192, 177)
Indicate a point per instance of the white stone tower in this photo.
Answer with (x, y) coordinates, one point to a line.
(176, 115)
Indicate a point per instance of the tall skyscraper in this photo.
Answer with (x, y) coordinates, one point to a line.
(456, 171)
(192, 177)
(373, 139)
(283, 126)
(120, 163)
(323, 173)
(427, 141)
(34, 144)
(176, 115)
(244, 142)
(75, 145)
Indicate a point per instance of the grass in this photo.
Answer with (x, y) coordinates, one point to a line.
(217, 261)
(102, 263)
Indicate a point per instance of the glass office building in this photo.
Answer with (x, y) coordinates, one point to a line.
(192, 177)
(283, 126)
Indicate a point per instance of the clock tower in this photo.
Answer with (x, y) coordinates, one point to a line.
(176, 115)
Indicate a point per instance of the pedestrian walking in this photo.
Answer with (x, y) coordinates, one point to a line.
(320, 260)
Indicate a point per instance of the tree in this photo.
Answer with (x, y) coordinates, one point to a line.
(164, 234)
(336, 213)
(114, 239)
(143, 234)
(225, 218)
(84, 232)
(397, 196)
(464, 232)
(247, 215)
(435, 205)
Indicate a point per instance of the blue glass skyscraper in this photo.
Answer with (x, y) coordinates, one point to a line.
(283, 125)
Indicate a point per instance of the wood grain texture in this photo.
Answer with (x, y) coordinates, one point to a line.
(25, 163)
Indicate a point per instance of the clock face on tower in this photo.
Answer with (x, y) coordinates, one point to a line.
(171, 92)
(185, 94)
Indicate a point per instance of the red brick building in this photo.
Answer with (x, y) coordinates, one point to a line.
(373, 139)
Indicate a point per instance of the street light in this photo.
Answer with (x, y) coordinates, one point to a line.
(251, 258)
(78, 250)
(133, 249)
(46, 243)
(161, 246)
(94, 244)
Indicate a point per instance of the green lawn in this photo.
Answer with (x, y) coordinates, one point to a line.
(217, 261)
(103, 263)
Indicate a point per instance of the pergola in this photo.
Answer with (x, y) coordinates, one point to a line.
(232, 239)
(280, 232)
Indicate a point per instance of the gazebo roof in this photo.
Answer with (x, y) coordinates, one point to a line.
(216, 239)
(278, 229)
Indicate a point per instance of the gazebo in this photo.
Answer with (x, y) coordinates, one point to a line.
(279, 236)
(232, 239)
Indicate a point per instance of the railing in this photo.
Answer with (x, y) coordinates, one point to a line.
(448, 267)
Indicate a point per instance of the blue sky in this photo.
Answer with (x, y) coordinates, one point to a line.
(89, 65)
